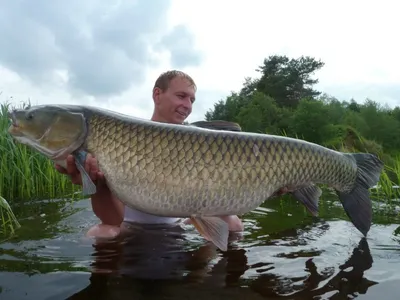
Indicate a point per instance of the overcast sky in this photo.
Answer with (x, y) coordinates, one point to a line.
(110, 54)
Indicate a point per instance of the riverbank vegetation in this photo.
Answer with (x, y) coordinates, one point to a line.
(281, 101)
(8, 221)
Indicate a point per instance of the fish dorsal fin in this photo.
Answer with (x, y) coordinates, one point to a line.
(218, 125)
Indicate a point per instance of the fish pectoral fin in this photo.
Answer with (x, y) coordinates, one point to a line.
(213, 229)
(218, 125)
(309, 197)
(88, 186)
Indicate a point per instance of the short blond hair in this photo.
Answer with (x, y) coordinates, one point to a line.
(165, 78)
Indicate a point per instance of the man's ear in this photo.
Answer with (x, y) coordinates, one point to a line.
(156, 95)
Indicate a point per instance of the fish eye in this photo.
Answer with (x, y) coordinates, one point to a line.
(29, 116)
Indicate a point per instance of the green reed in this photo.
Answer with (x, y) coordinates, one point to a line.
(388, 186)
(8, 221)
(26, 174)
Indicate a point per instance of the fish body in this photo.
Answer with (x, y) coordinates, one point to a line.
(171, 170)
(196, 171)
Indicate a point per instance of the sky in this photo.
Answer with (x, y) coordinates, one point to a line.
(109, 53)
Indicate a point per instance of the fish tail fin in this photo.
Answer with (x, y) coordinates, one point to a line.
(357, 203)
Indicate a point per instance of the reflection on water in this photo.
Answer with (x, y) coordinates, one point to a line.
(284, 253)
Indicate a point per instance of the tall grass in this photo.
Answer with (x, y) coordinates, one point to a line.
(7, 218)
(387, 189)
(26, 174)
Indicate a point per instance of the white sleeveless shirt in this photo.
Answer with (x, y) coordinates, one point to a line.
(136, 216)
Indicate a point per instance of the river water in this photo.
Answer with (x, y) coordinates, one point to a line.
(284, 253)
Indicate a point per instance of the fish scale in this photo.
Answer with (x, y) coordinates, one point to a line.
(197, 171)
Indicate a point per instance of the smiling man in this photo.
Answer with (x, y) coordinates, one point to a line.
(173, 95)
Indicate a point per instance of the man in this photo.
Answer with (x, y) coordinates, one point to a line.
(173, 95)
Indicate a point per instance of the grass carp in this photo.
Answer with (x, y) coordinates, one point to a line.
(197, 171)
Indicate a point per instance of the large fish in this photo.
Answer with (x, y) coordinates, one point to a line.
(196, 172)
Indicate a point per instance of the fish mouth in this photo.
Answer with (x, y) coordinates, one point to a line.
(14, 129)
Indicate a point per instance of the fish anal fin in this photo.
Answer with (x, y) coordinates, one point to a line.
(213, 229)
(309, 197)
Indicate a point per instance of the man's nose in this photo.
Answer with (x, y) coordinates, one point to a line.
(187, 103)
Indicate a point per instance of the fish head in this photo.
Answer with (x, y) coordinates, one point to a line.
(53, 130)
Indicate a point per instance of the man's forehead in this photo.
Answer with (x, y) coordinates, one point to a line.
(182, 84)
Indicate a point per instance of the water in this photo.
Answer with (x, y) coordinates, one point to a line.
(283, 253)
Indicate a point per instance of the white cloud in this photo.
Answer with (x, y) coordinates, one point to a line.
(110, 54)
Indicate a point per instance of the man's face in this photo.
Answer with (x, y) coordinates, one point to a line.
(175, 104)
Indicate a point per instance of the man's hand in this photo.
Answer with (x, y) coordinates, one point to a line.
(105, 206)
(90, 167)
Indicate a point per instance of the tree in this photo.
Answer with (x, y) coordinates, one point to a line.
(285, 80)
(229, 109)
(310, 119)
(288, 80)
(354, 106)
(261, 114)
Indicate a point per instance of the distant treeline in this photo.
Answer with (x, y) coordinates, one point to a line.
(283, 102)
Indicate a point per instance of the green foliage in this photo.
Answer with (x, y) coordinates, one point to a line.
(262, 114)
(311, 121)
(8, 221)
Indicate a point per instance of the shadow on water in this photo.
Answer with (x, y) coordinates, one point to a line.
(283, 253)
